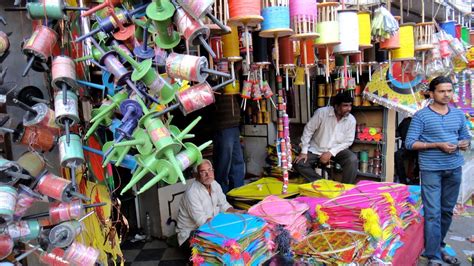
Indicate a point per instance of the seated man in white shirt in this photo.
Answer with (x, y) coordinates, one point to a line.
(202, 201)
(329, 134)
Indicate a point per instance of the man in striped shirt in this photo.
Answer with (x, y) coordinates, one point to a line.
(439, 132)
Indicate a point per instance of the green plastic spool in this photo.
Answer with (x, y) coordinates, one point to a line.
(117, 154)
(116, 100)
(32, 229)
(101, 36)
(8, 197)
(141, 141)
(71, 155)
(364, 156)
(146, 165)
(142, 71)
(161, 12)
(175, 131)
(465, 34)
(339, 60)
(54, 9)
(95, 54)
(167, 93)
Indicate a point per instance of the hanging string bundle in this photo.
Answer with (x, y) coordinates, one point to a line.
(230, 48)
(328, 30)
(245, 13)
(303, 18)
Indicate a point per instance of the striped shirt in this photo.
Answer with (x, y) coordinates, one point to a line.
(430, 127)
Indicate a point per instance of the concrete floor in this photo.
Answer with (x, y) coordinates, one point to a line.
(462, 227)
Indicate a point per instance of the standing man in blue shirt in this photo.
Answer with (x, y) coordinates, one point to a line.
(439, 132)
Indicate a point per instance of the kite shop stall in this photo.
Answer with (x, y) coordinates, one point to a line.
(106, 107)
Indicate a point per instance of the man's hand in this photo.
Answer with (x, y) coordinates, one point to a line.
(464, 145)
(325, 157)
(447, 147)
(301, 156)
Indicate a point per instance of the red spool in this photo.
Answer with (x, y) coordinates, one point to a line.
(310, 58)
(196, 97)
(6, 246)
(355, 58)
(41, 43)
(65, 211)
(37, 138)
(54, 258)
(286, 52)
(322, 52)
(216, 45)
(239, 9)
(458, 31)
(54, 187)
(45, 118)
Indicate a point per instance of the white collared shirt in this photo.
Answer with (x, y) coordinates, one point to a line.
(324, 133)
(197, 206)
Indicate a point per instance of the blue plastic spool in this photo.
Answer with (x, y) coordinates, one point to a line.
(276, 17)
(129, 162)
(449, 27)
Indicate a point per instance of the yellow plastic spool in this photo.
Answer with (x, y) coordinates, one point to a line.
(230, 44)
(232, 88)
(299, 80)
(328, 33)
(407, 43)
(364, 30)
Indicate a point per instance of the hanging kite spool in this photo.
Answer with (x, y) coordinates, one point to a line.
(52, 9)
(406, 51)
(247, 14)
(287, 57)
(230, 48)
(328, 30)
(63, 70)
(348, 32)
(161, 12)
(364, 30)
(276, 23)
(39, 46)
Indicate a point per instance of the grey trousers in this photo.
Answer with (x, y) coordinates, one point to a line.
(346, 158)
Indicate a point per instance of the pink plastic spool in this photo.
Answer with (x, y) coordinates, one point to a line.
(26, 198)
(81, 255)
(54, 187)
(6, 246)
(65, 211)
(196, 97)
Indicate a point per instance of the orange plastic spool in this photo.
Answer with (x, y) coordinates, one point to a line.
(310, 58)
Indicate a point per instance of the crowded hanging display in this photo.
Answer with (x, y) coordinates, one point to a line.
(244, 132)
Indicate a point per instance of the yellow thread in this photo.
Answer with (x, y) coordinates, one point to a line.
(322, 216)
(230, 43)
(371, 222)
(328, 33)
(364, 29)
(407, 43)
(232, 89)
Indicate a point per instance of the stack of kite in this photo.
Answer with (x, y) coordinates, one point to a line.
(245, 196)
(286, 220)
(232, 239)
(324, 188)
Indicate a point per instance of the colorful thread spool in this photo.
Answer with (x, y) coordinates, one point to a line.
(51, 9)
(55, 187)
(39, 46)
(37, 138)
(449, 27)
(348, 32)
(364, 156)
(8, 198)
(24, 230)
(245, 12)
(63, 234)
(310, 58)
(424, 36)
(55, 258)
(458, 31)
(26, 198)
(303, 18)
(63, 71)
(327, 24)
(216, 46)
(465, 34)
(161, 12)
(232, 88)
(195, 98)
(6, 246)
(364, 30)
(191, 155)
(82, 255)
(192, 30)
(32, 162)
(286, 51)
(276, 19)
(71, 155)
(407, 44)
(198, 9)
(4, 43)
(230, 45)
(65, 211)
(260, 49)
(68, 111)
(186, 67)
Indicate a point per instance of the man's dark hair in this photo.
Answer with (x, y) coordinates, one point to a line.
(342, 97)
(439, 80)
